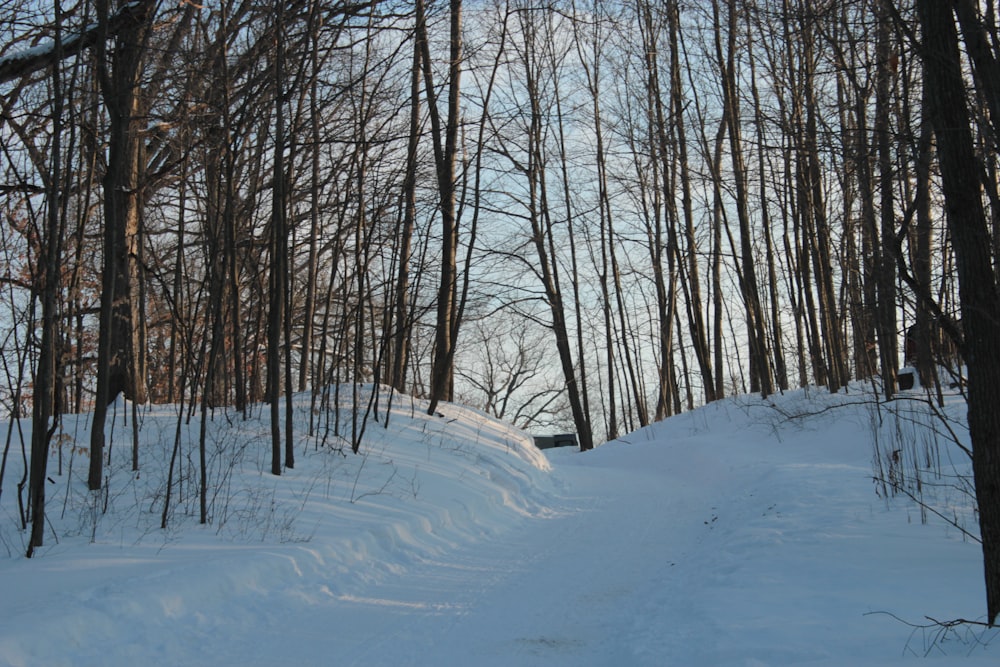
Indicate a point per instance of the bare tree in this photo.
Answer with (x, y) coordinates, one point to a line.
(760, 368)
(960, 179)
(44, 404)
(121, 354)
(445, 142)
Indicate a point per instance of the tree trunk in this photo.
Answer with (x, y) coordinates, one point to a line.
(922, 267)
(760, 370)
(278, 270)
(690, 279)
(980, 305)
(402, 328)
(885, 312)
(664, 181)
(777, 346)
(44, 401)
(445, 154)
(120, 363)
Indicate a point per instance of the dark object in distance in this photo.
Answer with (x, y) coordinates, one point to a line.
(560, 440)
(905, 380)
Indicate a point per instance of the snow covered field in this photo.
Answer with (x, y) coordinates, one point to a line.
(745, 533)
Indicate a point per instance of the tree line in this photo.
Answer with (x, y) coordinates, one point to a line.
(573, 213)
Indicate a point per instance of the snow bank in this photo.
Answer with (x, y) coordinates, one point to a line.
(746, 533)
(111, 587)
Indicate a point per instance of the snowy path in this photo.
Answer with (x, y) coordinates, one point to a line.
(698, 555)
(725, 537)
(581, 587)
(560, 590)
(544, 597)
(539, 595)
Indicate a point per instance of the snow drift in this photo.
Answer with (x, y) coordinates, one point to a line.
(748, 532)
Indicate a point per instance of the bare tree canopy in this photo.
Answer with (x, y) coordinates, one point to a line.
(584, 215)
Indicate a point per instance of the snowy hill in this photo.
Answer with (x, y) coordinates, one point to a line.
(747, 532)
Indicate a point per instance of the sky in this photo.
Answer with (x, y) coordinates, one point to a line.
(749, 532)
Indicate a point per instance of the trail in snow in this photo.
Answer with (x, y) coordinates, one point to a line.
(728, 536)
(703, 551)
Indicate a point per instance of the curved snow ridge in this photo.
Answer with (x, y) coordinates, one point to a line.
(421, 488)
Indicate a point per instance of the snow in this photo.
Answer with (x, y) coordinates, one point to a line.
(746, 533)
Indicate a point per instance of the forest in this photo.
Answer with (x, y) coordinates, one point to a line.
(572, 214)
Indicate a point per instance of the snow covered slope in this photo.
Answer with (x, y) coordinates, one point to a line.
(747, 532)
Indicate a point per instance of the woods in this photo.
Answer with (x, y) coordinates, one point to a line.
(584, 216)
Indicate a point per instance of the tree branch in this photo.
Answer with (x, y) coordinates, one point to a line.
(28, 61)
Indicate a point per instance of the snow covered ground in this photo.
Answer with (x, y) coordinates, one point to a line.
(747, 533)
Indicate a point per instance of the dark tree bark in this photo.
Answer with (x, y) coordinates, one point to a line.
(871, 249)
(44, 402)
(120, 366)
(445, 142)
(921, 256)
(278, 272)
(664, 246)
(690, 278)
(980, 304)
(777, 345)
(885, 311)
(818, 224)
(35, 59)
(402, 326)
(540, 215)
(760, 369)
